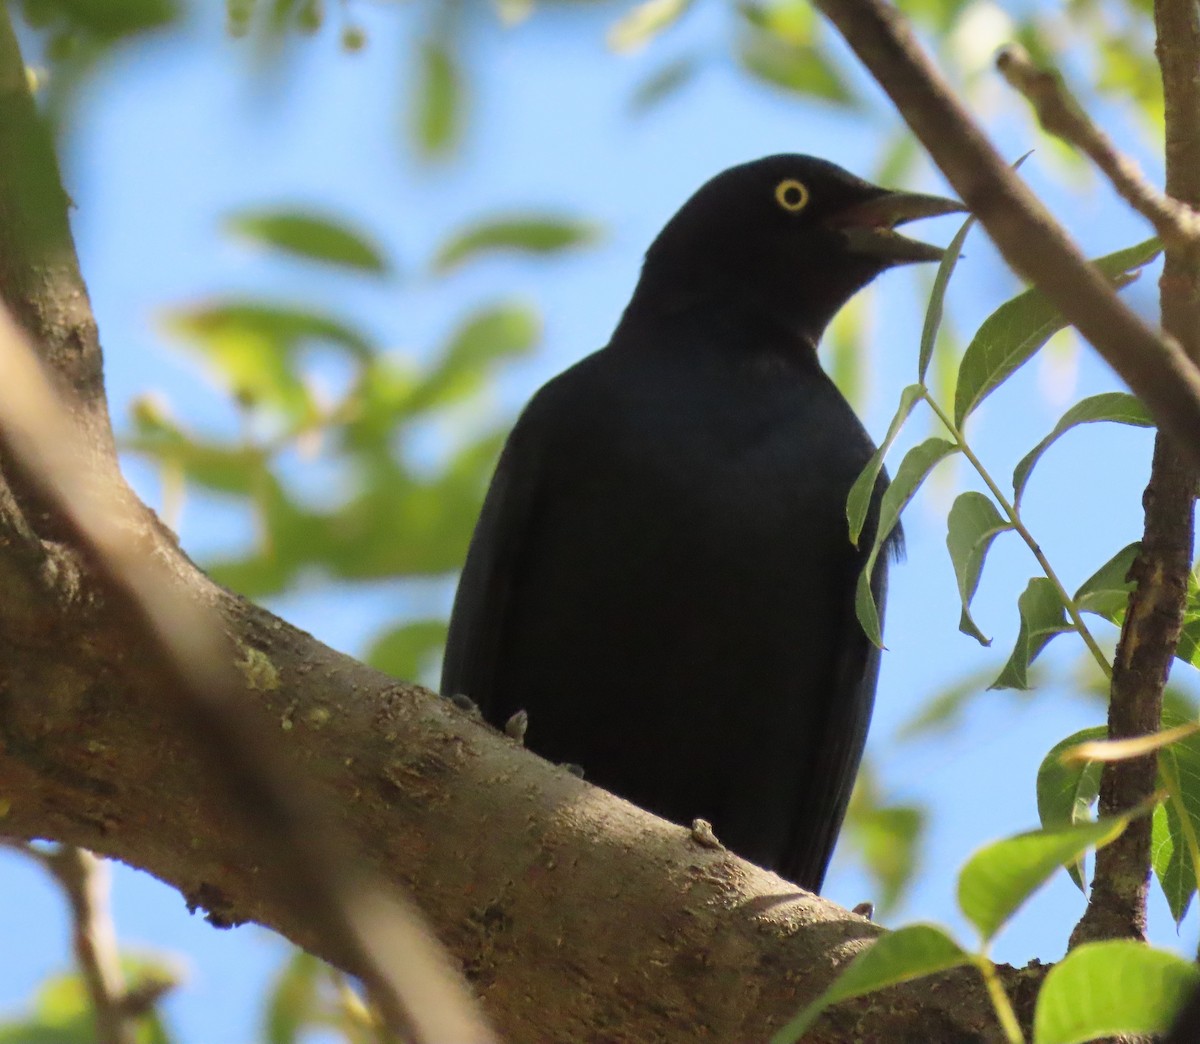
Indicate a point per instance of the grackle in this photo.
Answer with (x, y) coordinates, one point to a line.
(661, 575)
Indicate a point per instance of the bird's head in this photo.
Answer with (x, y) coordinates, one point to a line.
(788, 239)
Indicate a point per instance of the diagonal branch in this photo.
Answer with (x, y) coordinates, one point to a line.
(1153, 365)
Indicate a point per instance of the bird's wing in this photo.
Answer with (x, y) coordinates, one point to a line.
(829, 778)
(485, 587)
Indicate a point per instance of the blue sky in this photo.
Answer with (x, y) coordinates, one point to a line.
(179, 131)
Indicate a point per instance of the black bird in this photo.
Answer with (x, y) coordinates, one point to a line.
(661, 574)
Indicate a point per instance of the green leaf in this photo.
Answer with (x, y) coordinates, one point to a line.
(1106, 591)
(974, 522)
(1171, 853)
(796, 68)
(663, 83)
(404, 651)
(1118, 407)
(253, 345)
(525, 233)
(1110, 989)
(900, 956)
(293, 1000)
(918, 462)
(1042, 617)
(309, 236)
(1171, 860)
(1011, 335)
(888, 838)
(998, 878)
(437, 120)
(1066, 792)
(639, 26)
(937, 297)
(858, 502)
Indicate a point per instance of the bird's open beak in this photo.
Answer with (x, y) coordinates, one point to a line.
(870, 227)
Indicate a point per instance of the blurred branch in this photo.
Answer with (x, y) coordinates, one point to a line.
(84, 880)
(62, 473)
(1060, 114)
(1153, 365)
(308, 868)
(1145, 653)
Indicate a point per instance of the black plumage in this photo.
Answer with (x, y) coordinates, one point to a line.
(661, 574)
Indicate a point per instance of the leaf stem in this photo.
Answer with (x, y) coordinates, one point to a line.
(1014, 517)
(1005, 1014)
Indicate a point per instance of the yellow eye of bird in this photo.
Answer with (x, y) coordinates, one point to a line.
(791, 195)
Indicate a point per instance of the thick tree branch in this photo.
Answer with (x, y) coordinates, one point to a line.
(1153, 366)
(1117, 906)
(1061, 115)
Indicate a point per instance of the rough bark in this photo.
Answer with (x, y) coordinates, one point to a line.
(1145, 653)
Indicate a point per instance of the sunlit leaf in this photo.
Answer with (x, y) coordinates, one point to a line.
(1106, 591)
(973, 523)
(937, 298)
(525, 233)
(1110, 989)
(642, 23)
(1172, 861)
(798, 69)
(318, 238)
(1118, 407)
(293, 999)
(998, 878)
(1177, 832)
(1066, 792)
(1010, 336)
(858, 502)
(913, 470)
(907, 953)
(1042, 617)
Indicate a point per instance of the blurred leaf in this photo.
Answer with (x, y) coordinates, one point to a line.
(1110, 989)
(309, 236)
(1010, 336)
(858, 501)
(223, 467)
(900, 956)
(937, 297)
(1119, 407)
(798, 69)
(899, 157)
(1106, 591)
(489, 336)
(973, 523)
(844, 348)
(404, 651)
(940, 713)
(1106, 750)
(293, 999)
(663, 83)
(526, 233)
(438, 99)
(1042, 617)
(913, 470)
(888, 838)
(1066, 792)
(638, 26)
(793, 21)
(998, 878)
(254, 347)
(107, 20)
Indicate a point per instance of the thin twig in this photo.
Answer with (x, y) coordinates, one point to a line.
(85, 881)
(1060, 114)
(1153, 365)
